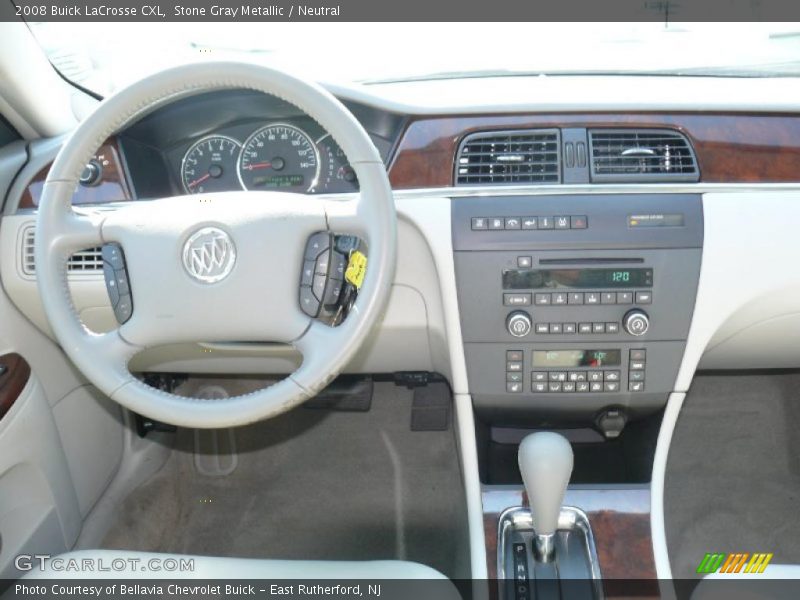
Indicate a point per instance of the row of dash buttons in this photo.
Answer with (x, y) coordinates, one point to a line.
(557, 222)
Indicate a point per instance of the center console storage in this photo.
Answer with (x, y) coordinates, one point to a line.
(575, 305)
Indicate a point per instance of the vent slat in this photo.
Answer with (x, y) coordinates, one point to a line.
(510, 157)
(85, 261)
(641, 155)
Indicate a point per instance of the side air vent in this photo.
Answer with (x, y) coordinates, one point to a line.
(85, 261)
(649, 155)
(509, 157)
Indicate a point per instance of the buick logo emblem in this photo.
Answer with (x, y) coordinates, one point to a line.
(209, 255)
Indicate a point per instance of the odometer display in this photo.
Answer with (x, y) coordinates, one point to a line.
(279, 157)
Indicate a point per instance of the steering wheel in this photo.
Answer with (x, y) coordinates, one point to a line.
(264, 235)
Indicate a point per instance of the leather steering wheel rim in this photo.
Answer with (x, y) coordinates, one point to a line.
(157, 229)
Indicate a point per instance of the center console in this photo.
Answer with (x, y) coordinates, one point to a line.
(575, 308)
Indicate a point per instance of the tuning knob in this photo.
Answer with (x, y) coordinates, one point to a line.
(519, 323)
(636, 322)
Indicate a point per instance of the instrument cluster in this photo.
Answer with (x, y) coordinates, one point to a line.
(277, 156)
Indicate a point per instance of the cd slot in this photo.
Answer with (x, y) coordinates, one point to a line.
(589, 261)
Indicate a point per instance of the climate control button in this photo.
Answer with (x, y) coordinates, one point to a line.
(519, 323)
(636, 322)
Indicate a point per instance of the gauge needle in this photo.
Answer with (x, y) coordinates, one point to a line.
(199, 180)
(261, 165)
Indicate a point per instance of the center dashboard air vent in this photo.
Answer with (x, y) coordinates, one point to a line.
(647, 155)
(88, 261)
(509, 157)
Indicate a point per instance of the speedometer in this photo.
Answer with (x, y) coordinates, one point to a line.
(279, 157)
(210, 165)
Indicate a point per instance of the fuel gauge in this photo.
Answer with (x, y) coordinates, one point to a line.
(336, 174)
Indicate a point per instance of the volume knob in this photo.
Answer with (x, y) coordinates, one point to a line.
(519, 323)
(636, 322)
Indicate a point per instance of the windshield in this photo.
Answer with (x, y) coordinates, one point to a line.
(104, 56)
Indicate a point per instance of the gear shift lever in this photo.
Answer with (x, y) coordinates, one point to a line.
(545, 461)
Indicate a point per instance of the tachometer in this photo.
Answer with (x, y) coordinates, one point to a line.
(279, 157)
(210, 165)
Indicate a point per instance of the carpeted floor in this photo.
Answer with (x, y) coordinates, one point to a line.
(733, 475)
(312, 484)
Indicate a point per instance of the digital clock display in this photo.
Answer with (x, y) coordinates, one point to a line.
(528, 279)
(576, 358)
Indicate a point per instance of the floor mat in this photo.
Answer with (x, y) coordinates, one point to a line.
(733, 474)
(311, 484)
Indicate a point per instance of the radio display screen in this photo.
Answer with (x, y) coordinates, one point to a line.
(576, 358)
(528, 279)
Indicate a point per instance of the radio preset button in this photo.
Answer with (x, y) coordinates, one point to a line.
(575, 298)
(542, 299)
(592, 298)
(560, 298)
(608, 298)
(624, 297)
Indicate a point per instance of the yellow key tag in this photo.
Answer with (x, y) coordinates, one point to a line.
(356, 269)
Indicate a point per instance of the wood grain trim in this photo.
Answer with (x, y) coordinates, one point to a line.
(731, 148)
(620, 522)
(113, 186)
(13, 381)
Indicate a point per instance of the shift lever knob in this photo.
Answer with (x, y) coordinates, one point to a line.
(545, 461)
